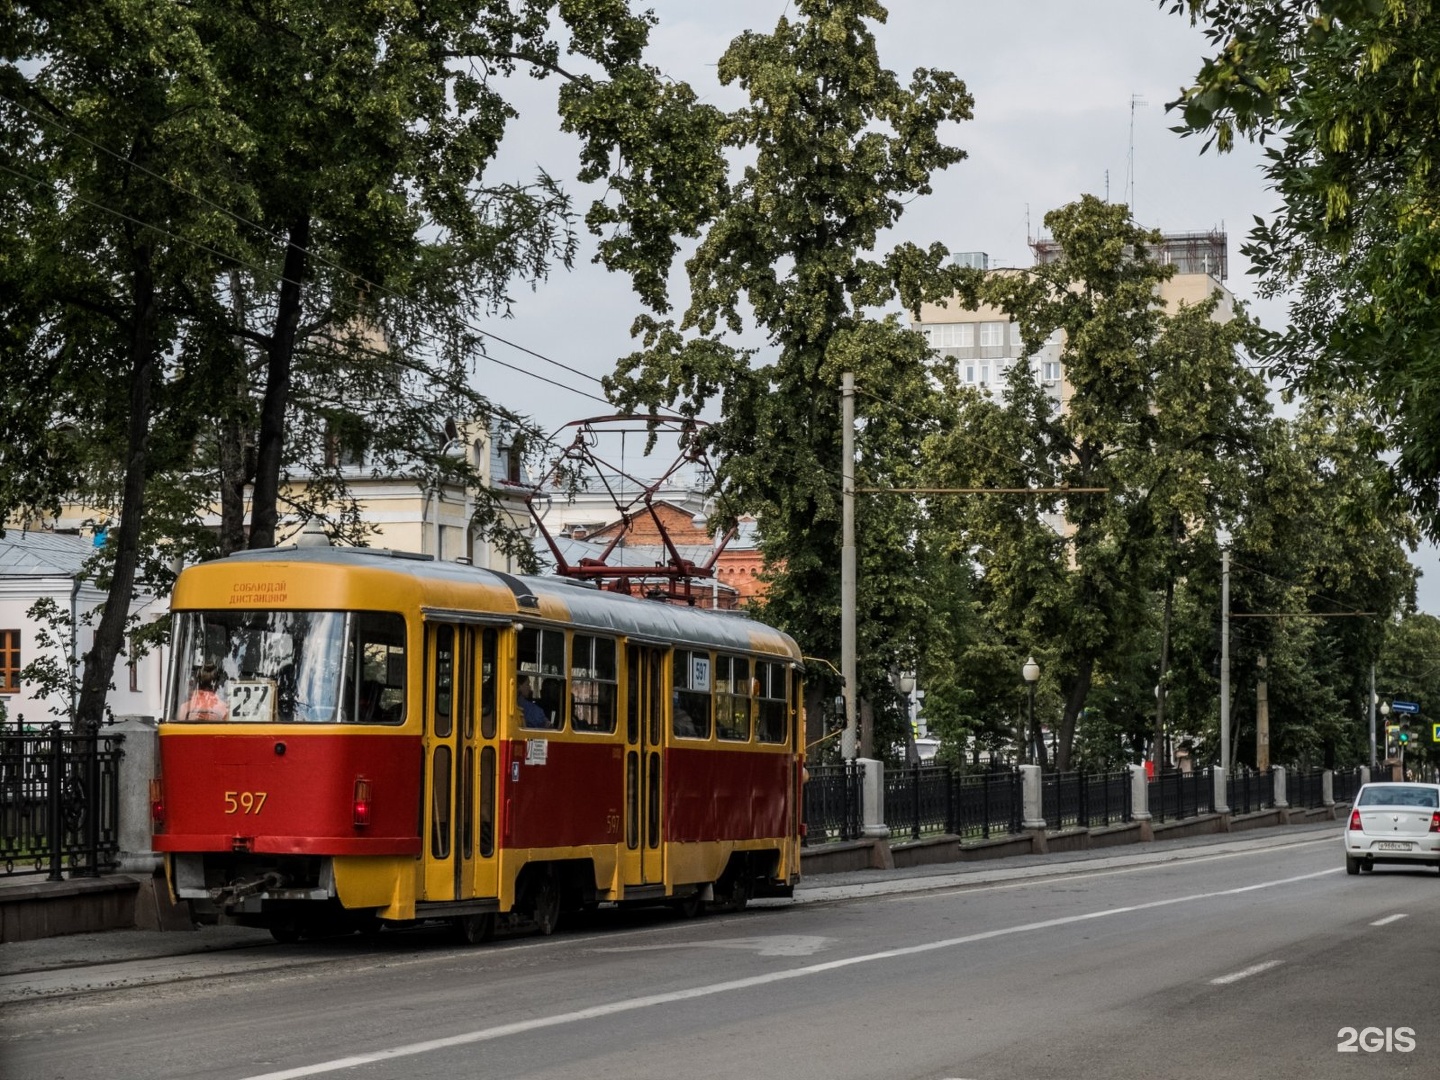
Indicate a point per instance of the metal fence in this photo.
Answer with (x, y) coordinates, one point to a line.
(1248, 790)
(1345, 784)
(1083, 800)
(59, 802)
(1177, 795)
(1305, 787)
(937, 800)
(833, 802)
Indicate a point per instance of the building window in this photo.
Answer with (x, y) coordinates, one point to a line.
(9, 661)
(992, 334)
(970, 373)
(984, 374)
(1015, 335)
(951, 335)
(1050, 371)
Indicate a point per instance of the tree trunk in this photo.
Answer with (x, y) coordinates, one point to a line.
(234, 474)
(1074, 702)
(110, 634)
(265, 515)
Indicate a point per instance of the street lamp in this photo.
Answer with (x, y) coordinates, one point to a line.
(1031, 674)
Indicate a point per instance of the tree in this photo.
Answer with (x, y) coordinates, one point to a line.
(1161, 415)
(828, 150)
(229, 223)
(1343, 95)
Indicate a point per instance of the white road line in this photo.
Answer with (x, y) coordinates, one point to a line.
(1236, 976)
(1387, 919)
(651, 1000)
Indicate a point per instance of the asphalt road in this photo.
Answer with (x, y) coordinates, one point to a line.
(1241, 957)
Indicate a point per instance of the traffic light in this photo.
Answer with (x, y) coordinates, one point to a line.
(1392, 743)
(1402, 735)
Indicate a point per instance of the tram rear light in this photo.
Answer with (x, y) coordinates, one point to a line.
(362, 802)
(157, 803)
(1355, 820)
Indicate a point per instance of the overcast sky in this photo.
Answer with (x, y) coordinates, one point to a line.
(1069, 99)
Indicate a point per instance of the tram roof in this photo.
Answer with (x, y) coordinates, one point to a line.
(630, 616)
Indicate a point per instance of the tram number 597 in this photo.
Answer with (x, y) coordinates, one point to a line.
(244, 802)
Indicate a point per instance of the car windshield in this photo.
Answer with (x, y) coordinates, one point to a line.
(1396, 795)
(288, 666)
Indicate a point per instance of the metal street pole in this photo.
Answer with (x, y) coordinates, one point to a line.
(1372, 715)
(1225, 660)
(847, 561)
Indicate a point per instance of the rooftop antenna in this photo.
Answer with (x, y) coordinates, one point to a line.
(1136, 101)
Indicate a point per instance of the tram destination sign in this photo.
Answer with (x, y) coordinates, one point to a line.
(1404, 706)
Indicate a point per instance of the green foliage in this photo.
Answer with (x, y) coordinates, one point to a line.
(1345, 94)
(831, 146)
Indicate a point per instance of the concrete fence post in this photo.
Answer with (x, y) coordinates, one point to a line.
(873, 805)
(1032, 813)
(1364, 774)
(1281, 803)
(1327, 787)
(139, 765)
(1220, 778)
(1139, 793)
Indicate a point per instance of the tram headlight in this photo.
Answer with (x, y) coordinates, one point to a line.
(362, 802)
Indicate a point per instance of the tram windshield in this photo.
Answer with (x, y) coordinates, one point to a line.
(317, 667)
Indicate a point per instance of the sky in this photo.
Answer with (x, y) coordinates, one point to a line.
(1070, 99)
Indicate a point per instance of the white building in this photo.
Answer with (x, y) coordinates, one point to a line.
(46, 565)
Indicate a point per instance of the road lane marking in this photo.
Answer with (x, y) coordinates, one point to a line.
(1236, 976)
(1042, 875)
(648, 1001)
(1387, 919)
(770, 945)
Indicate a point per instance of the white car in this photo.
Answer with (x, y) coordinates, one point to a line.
(1393, 823)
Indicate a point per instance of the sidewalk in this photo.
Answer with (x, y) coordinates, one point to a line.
(23, 964)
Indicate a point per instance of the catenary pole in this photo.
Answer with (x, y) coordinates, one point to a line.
(847, 562)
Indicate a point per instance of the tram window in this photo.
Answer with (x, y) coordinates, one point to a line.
(292, 666)
(732, 698)
(440, 804)
(444, 680)
(541, 655)
(593, 684)
(771, 707)
(487, 684)
(375, 686)
(691, 699)
(632, 695)
(487, 801)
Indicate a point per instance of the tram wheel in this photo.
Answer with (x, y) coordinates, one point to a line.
(475, 929)
(545, 904)
(732, 894)
(286, 933)
(689, 906)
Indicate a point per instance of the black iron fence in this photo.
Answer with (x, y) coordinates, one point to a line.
(1305, 787)
(1083, 800)
(934, 800)
(1248, 790)
(1345, 784)
(59, 802)
(833, 802)
(1177, 795)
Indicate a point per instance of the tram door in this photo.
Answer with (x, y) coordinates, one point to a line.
(453, 657)
(643, 861)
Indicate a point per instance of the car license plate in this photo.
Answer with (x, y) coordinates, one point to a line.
(1392, 845)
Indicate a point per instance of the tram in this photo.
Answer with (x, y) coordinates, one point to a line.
(356, 738)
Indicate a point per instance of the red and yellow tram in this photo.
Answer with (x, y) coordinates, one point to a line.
(355, 737)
